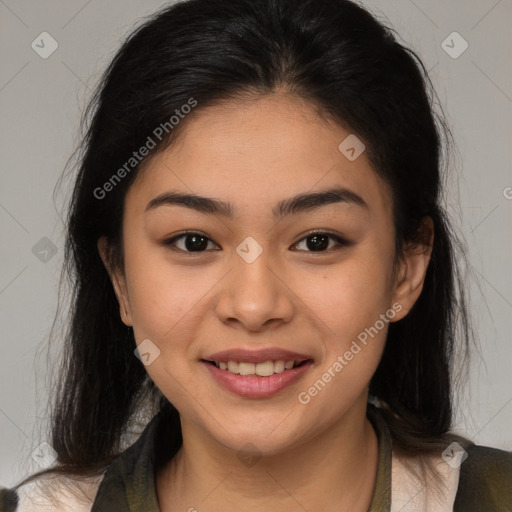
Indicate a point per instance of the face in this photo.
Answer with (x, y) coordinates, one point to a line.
(313, 277)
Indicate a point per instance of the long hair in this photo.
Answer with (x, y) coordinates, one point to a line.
(353, 69)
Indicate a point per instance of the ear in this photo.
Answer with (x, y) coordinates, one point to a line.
(412, 270)
(118, 281)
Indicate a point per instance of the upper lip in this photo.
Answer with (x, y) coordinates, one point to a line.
(257, 356)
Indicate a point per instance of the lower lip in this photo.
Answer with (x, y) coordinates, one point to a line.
(254, 386)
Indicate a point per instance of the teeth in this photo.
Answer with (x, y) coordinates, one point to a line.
(279, 366)
(264, 369)
(244, 368)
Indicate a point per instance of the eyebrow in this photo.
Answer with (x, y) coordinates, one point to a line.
(291, 206)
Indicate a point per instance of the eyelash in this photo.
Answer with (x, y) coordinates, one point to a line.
(340, 241)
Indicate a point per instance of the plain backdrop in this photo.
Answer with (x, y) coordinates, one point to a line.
(41, 100)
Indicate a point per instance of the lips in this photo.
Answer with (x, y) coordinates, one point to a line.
(257, 373)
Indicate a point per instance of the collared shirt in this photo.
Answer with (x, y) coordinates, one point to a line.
(482, 482)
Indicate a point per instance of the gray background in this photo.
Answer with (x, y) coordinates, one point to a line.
(41, 101)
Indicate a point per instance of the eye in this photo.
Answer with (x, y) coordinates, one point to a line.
(190, 242)
(319, 241)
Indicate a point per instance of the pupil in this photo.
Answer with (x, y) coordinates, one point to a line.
(319, 242)
(195, 242)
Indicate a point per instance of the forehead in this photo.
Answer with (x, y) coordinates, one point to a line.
(257, 152)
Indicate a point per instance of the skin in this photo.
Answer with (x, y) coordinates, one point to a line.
(318, 456)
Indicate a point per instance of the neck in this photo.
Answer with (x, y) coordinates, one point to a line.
(333, 470)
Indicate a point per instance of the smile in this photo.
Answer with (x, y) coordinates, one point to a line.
(261, 380)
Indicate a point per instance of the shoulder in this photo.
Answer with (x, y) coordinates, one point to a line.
(55, 493)
(422, 483)
(472, 478)
(485, 480)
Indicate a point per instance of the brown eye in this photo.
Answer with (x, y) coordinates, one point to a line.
(190, 242)
(320, 242)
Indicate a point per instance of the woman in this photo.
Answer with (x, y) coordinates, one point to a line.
(264, 270)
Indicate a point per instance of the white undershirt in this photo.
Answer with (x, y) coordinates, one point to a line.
(409, 494)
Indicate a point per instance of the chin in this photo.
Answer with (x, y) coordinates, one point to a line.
(264, 437)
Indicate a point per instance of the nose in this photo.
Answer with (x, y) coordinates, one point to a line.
(254, 296)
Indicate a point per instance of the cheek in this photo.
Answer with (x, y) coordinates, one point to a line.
(349, 296)
(165, 299)
(351, 301)
(350, 308)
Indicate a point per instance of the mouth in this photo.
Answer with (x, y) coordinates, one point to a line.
(262, 369)
(261, 373)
